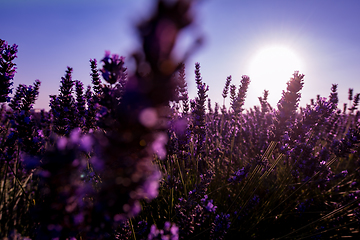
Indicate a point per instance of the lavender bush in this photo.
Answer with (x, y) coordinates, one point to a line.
(132, 157)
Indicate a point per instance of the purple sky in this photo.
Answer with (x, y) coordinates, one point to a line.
(55, 34)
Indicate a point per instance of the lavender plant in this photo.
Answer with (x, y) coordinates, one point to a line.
(63, 106)
(80, 103)
(7, 69)
(19, 136)
(134, 158)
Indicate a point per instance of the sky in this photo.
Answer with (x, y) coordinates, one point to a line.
(324, 35)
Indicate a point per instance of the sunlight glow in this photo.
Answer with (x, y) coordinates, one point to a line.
(271, 68)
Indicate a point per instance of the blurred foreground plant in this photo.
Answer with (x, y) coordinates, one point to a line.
(132, 119)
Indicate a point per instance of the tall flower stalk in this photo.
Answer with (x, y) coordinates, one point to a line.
(7, 69)
(288, 104)
(63, 106)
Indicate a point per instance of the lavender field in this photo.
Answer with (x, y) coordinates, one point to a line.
(133, 157)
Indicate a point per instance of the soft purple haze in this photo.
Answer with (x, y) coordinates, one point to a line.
(55, 34)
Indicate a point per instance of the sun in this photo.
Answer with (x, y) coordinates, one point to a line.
(271, 68)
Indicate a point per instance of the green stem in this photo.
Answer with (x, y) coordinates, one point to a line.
(132, 228)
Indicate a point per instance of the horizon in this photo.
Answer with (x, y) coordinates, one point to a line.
(323, 34)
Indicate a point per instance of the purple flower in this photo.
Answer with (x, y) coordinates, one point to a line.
(220, 226)
(7, 69)
(169, 232)
(113, 69)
